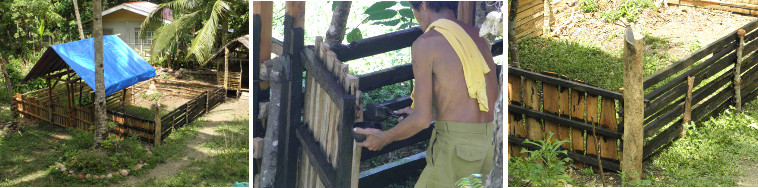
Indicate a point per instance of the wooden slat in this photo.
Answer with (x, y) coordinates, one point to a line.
(529, 25)
(577, 112)
(550, 105)
(591, 111)
(564, 132)
(532, 101)
(608, 146)
(314, 153)
(515, 120)
(530, 13)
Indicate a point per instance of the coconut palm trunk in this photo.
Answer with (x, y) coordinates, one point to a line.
(100, 128)
(78, 20)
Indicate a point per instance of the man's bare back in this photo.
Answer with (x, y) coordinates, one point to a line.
(450, 100)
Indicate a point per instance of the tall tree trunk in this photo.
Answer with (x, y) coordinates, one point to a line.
(8, 83)
(100, 108)
(495, 177)
(336, 32)
(78, 20)
(512, 50)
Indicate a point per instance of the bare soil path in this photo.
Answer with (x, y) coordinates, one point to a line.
(226, 112)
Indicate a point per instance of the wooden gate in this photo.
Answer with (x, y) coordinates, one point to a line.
(330, 157)
(541, 104)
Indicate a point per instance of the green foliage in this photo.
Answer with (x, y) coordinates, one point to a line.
(355, 34)
(713, 151)
(628, 10)
(170, 40)
(112, 155)
(385, 13)
(588, 6)
(542, 167)
(472, 181)
(637, 182)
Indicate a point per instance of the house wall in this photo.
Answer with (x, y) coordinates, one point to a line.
(124, 23)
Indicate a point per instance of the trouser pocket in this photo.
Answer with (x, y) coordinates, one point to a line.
(469, 159)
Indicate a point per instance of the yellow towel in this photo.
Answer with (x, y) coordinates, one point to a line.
(474, 65)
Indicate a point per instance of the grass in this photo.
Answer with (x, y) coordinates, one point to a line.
(712, 152)
(588, 6)
(228, 165)
(26, 159)
(627, 10)
(588, 62)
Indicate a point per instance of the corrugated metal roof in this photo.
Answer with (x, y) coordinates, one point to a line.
(142, 8)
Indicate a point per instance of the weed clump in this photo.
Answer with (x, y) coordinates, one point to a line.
(543, 167)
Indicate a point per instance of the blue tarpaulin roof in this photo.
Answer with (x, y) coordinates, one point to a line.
(123, 67)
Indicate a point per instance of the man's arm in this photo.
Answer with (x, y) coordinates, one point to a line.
(421, 117)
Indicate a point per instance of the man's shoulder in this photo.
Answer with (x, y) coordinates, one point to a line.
(428, 41)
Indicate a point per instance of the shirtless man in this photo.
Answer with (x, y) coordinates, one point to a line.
(461, 143)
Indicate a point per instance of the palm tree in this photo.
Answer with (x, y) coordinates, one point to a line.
(100, 130)
(211, 16)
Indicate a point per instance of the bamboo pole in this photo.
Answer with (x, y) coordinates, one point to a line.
(631, 163)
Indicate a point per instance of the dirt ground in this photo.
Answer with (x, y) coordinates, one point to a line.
(686, 27)
(226, 112)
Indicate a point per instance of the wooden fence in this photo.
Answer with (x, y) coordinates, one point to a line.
(711, 87)
(544, 104)
(36, 105)
(530, 17)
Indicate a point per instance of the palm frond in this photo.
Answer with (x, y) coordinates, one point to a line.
(152, 23)
(205, 40)
(166, 36)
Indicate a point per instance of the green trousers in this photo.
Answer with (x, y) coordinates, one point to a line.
(457, 150)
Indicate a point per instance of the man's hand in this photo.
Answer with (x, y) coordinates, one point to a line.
(407, 111)
(375, 139)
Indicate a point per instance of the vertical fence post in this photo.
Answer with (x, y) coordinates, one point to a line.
(631, 162)
(207, 100)
(688, 101)
(158, 135)
(737, 80)
(546, 16)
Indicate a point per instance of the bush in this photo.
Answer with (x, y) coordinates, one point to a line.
(113, 154)
(542, 168)
(588, 6)
(628, 10)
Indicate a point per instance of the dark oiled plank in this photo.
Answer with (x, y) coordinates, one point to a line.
(694, 57)
(316, 156)
(565, 83)
(376, 44)
(712, 103)
(664, 119)
(345, 141)
(708, 89)
(565, 121)
(666, 136)
(587, 159)
(398, 103)
(714, 60)
(393, 173)
(377, 79)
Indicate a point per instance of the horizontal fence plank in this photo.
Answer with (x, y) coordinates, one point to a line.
(377, 79)
(564, 121)
(710, 104)
(316, 155)
(664, 119)
(587, 159)
(714, 60)
(565, 83)
(666, 136)
(694, 57)
(376, 44)
(394, 172)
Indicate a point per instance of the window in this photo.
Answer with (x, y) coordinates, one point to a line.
(147, 40)
(107, 31)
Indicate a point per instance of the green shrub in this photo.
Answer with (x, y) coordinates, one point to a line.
(112, 155)
(628, 10)
(588, 6)
(543, 167)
